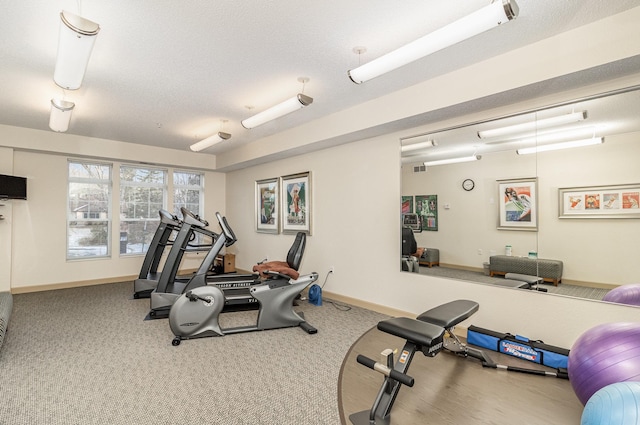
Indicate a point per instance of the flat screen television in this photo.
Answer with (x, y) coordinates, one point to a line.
(13, 187)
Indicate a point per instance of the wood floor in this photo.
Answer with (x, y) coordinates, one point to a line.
(453, 390)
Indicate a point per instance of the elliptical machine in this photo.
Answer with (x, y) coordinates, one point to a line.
(195, 313)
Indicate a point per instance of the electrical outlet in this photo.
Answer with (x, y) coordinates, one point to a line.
(480, 252)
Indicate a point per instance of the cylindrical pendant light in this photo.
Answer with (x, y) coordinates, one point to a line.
(75, 42)
(60, 115)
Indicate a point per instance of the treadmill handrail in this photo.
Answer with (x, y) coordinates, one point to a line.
(168, 218)
(226, 229)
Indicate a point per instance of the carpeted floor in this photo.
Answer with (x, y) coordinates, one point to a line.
(86, 356)
(561, 289)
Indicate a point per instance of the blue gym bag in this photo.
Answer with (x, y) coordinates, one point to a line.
(519, 346)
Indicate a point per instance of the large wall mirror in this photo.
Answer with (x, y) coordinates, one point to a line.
(581, 202)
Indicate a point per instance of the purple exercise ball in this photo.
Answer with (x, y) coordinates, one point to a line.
(604, 355)
(624, 294)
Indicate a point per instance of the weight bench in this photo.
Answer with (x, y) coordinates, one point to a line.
(426, 334)
(420, 336)
(532, 281)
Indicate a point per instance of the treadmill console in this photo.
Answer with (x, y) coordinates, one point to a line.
(412, 221)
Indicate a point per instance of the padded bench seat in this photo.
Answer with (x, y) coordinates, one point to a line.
(430, 257)
(549, 270)
(513, 283)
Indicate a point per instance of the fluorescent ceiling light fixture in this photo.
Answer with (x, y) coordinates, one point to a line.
(290, 105)
(564, 145)
(210, 141)
(534, 125)
(560, 136)
(75, 42)
(488, 17)
(60, 115)
(587, 132)
(418, 146)
(453, 160)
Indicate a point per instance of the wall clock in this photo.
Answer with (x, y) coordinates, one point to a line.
(468, 185)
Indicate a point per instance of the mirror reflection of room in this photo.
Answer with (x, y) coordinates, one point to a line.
(510, 204)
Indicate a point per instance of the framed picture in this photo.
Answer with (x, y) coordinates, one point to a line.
(621, 201)
(427, 209)
(518, 204)
(296, 203)
(267, 217)
(406, 205)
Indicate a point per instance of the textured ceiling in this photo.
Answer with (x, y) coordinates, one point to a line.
(166, 73)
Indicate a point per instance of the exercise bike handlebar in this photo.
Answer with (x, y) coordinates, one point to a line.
(386, 371)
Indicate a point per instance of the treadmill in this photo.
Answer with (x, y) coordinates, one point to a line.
(149, 276)
(234, 286)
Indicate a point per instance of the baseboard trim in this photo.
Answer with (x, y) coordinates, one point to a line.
(378, 308)
(589, 284)
(368, 305)
(67, 285)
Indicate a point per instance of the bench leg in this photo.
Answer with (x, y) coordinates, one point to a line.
(380, 412)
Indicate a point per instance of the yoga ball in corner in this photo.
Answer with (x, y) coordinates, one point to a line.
(624, 294)
(615, 404)
(603, 355)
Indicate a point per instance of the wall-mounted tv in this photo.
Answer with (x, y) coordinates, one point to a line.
(13, 187)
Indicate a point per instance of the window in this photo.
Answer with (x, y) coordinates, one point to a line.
(143, 193)
(188, 192)
(88, 218)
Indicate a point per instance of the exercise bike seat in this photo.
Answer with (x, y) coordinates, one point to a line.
(450, 314)
(423, 334)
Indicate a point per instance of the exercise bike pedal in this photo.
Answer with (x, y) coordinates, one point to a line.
(308, 328)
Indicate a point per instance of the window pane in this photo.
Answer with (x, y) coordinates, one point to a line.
(135, 236)
(88, 239)
(142, 195)
(88, 200)
(188, 192)
(142, 175)
(181, 178)
(89, 171)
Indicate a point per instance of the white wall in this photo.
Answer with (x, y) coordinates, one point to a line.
(6, 208)
(596, 250)
(356, 229)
